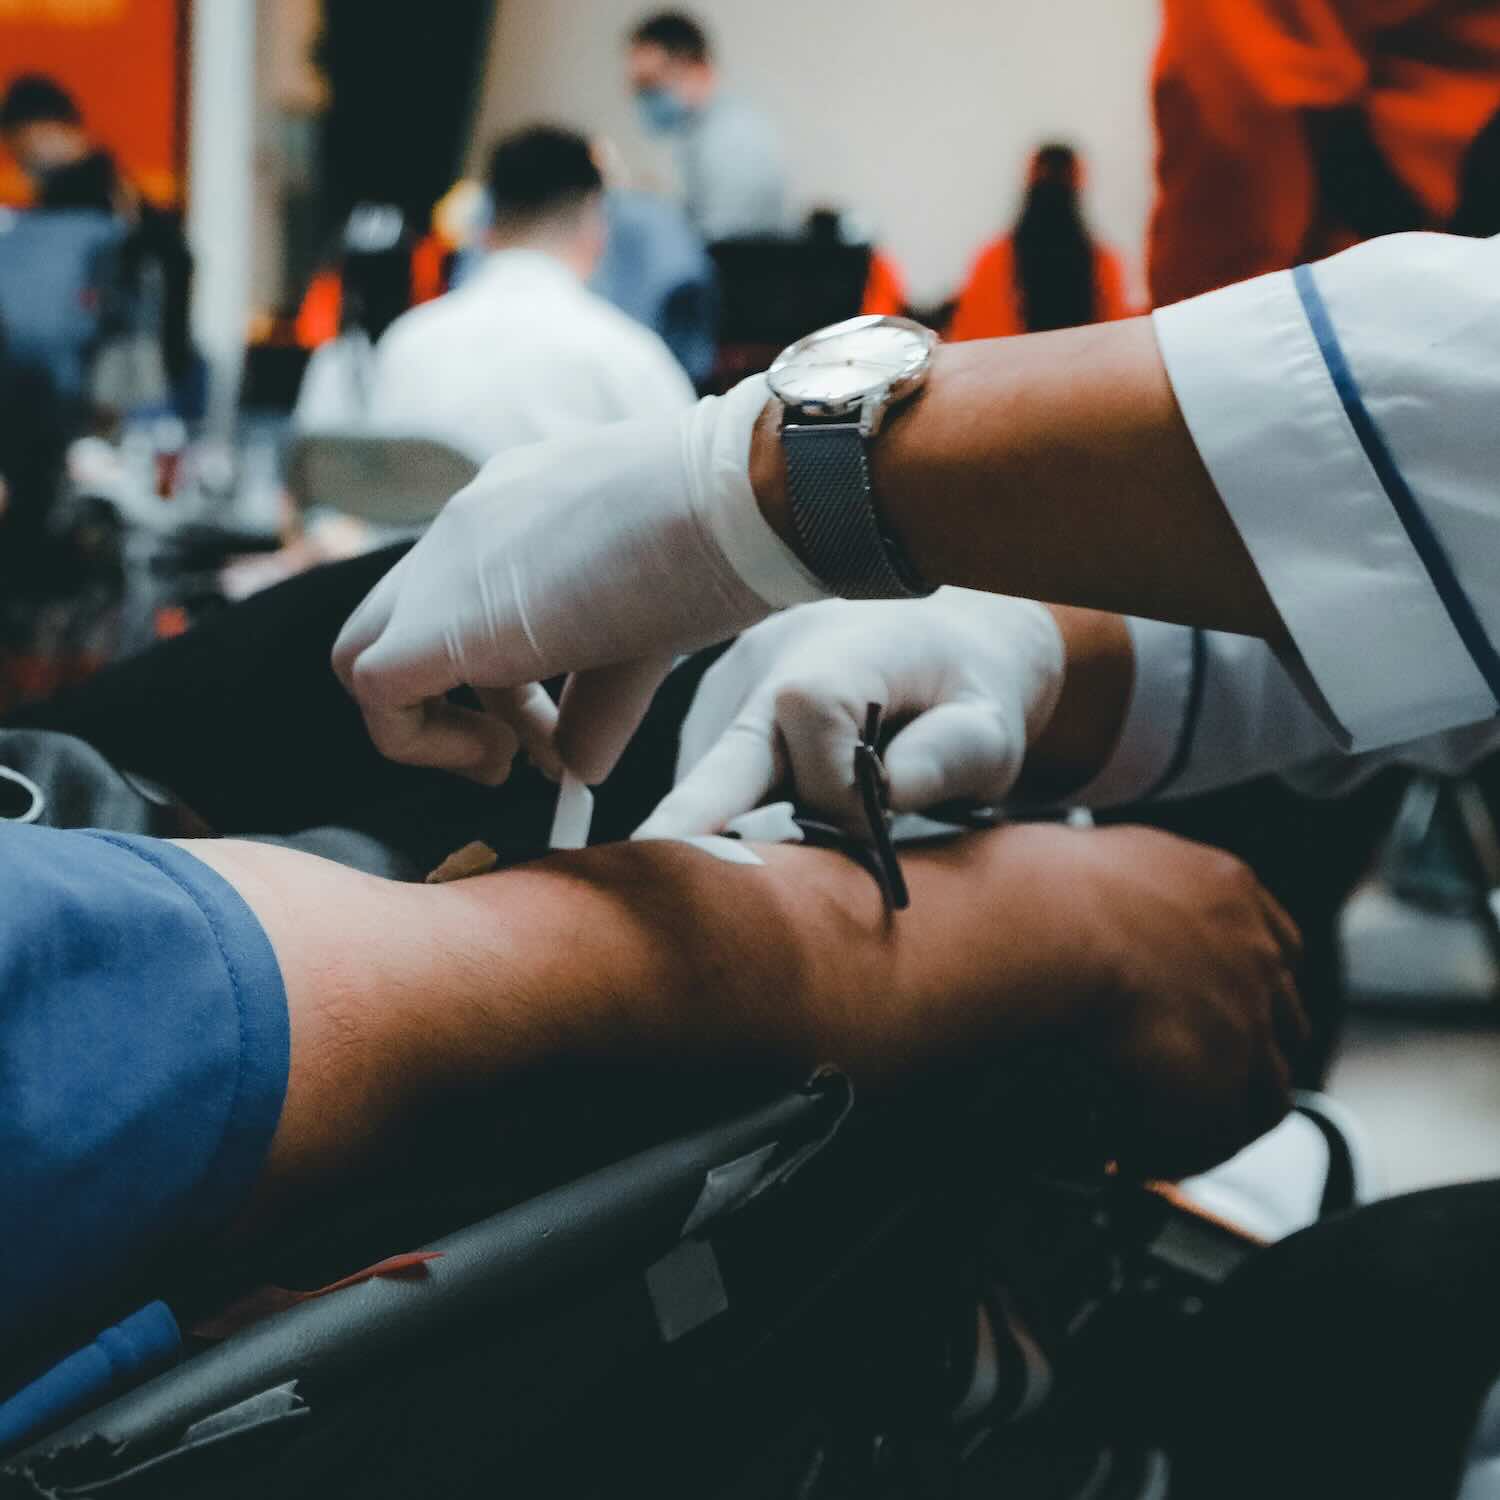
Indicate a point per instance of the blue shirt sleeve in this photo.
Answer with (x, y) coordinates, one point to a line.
(143, 1059)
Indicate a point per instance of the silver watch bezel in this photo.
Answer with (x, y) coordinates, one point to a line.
(869, 405)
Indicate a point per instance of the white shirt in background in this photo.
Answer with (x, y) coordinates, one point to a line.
(334, 395)
(522, 352)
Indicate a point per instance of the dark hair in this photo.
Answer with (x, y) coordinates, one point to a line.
(375, 268)
(1054, 255)
(32, 98)
(1478, 211)
(541, 171)
(676, 33)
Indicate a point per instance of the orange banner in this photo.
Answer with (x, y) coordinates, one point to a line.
(121, 60)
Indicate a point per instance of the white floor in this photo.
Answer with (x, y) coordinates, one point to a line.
(1428, 1095)
(1425, 1081)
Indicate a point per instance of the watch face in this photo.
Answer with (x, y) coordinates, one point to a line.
(839, 367)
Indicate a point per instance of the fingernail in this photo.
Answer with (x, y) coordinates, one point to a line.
(549, 763)
(496, 772)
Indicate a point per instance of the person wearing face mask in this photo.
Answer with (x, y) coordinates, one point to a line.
(43, 129)
(733, 171)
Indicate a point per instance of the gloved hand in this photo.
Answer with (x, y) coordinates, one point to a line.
(974, 678)
(613, 550)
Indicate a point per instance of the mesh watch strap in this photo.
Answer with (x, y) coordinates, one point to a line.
(834, 516)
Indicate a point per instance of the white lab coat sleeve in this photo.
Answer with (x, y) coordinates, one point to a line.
(1208, 709)
(1349, 415)
(1168, 675)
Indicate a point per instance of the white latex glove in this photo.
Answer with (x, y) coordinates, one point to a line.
(614, 549)
(973, 677)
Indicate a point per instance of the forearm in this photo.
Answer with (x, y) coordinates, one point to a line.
(1098, 678)
(406, 999)
(1055, 466)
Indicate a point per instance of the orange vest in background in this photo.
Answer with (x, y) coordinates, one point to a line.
(322, 310)
(1237, 179)
(429, 263)
(989, 306)
(885, 287)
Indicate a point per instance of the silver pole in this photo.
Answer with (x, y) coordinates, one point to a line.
(221, 139)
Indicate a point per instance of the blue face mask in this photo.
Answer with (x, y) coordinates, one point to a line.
(661, 111)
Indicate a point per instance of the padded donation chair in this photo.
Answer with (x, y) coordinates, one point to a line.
(389, 482)
(780, 1303)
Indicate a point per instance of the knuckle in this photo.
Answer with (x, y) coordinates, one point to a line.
(387, 738)
(811, 695)
(1229, 871)
(1000, 731)
(793, 694)
(342, 663)
(747, 729)
(366, 679)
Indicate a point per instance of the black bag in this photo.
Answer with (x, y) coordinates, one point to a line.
(57, 781)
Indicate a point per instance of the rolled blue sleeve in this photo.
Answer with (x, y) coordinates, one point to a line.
(143, 1059)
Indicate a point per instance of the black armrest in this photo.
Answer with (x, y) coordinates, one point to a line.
(498, 1286)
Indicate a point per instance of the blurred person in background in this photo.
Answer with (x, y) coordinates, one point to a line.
(374, 287)
(885, 285)
(455, 243)
(656, 268)
(59, 563)
(885, 290)
(374, 281)
(43, 128)
(1292, 129)
(733, 169)
(371, 230)
(1049, 271)
(33, 437)
(520, 350)
(381, 273)
(523, 350)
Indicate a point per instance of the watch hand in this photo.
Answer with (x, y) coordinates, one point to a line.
(844, 364)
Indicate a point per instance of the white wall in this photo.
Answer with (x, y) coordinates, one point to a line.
(917, 113)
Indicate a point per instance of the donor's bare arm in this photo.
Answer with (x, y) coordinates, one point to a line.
(1163, 962)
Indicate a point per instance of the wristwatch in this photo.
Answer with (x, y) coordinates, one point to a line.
(836, 387)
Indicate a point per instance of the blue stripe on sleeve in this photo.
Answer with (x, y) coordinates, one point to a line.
(1424, 539)
(1192, 713)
